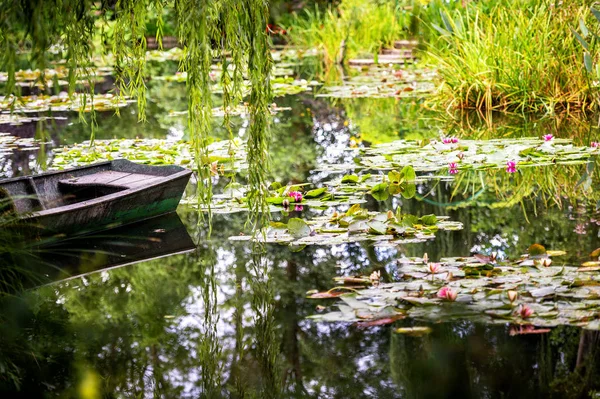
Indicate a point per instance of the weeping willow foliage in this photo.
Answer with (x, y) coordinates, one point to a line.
(233, 31)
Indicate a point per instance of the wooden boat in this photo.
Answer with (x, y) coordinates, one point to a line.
(94, 197)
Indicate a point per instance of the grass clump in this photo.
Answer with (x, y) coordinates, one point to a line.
(352, 28)
(521, 57)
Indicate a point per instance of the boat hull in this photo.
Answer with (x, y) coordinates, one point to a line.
(95, 197)
(113, 210)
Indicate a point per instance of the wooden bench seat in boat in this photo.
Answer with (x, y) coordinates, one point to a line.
(109, 179)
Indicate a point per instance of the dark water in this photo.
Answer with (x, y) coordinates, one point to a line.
(188, 316)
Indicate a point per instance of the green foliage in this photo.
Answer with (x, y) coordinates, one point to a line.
(205, 29)
(353, 27)
(518, 58)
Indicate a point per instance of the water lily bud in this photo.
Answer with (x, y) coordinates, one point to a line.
(375, 277)
(525, 311)
(546, 262)
(425, 258)
(390, 215)
(434, 267)
(286, 204)
(512, 295)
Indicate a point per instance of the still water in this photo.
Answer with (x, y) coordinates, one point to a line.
(174, 313)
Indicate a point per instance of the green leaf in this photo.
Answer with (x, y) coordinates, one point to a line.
(380, 192)
(584, 30)
(315, 193)
(587, 61)
(441, 30)
(350, 179)
(409, 220)
(596, 13)
(408, 173)
(275, 200)
(394, 176)
(365, 177)
(581, 40)
(409, 191)
(377, 227)
(395, 188)
(298, 228)
(354, 209)
(446, 21)
(429, 220)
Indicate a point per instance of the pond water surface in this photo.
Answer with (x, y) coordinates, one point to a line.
(187, 315)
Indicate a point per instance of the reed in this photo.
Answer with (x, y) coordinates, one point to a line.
(354, 27)
(521, 58)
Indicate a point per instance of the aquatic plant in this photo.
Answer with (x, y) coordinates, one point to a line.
(481, 289)
(342, 32)
(382, 81)
(434, 156)
(487, 60)
(355, 225)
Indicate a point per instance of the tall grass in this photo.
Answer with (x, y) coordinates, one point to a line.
(518, 58)
(355, 27)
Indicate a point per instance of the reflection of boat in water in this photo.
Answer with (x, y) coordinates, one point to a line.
(91, 198)
(147, 240)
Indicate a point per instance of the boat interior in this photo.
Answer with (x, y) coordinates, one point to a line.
(56, 189)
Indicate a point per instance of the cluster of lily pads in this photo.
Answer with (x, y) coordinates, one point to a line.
(9, 144)
(450, 156)
(226, 155)
(280, 85)
(283, 199)
(51, 77)
(379, 81)
(62, 103)
(238, 110)
(355, 225)
(535, 289)
(19, 119)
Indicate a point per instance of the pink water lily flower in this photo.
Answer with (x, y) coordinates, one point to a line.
(296, 195)
(449, 140)
(434, 267)
(453, 168)
(548, 137)
(525, 311)
(447, 294)
(595, 144)
(511, 166)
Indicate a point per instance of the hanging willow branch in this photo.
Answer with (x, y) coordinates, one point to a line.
(206, 29)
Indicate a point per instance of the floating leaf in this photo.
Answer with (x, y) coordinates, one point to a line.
(429, 220)
(380, 191)
(298, 228)
(315, 193)
(414, 331)
(350, 179)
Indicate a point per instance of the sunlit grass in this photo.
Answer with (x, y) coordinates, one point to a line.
(521, 58)
(354, 27)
